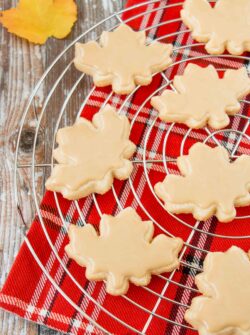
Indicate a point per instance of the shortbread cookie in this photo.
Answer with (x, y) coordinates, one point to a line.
(226, 26)
(202, 97)
(122, 59)
(90, 155)
(124, 251)
(224, 307)
(210, 185)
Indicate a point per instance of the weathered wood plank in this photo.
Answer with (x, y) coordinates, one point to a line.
(21, 66)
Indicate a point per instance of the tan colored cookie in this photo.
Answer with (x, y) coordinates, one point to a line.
(122, 59)
(224, 307)
(91, 155)
(226, 26)
(202, 97)
(124, 251)
(210, 184)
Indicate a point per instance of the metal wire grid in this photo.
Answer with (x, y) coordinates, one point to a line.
(165, 160)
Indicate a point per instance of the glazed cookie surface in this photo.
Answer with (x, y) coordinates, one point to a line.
(125, 251)
(226, 26)
(91, 154)
(202, 98)
(224, 306)
(122, 59)
(209, 185)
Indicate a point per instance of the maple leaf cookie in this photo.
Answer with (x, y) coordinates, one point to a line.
(125, 251)
(90, 155)
(224, 307)
(226, 26)
(210, 184)
(122, 59)
(202, 97)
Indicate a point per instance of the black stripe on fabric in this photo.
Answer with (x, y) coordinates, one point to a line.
(80, 301)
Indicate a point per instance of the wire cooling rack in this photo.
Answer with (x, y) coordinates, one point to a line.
(234, 139)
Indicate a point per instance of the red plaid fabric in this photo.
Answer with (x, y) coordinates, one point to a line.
(55, 292)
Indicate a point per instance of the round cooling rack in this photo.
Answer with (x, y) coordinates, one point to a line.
(231, 139)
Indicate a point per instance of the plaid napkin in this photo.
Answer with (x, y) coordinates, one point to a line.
(54, 290)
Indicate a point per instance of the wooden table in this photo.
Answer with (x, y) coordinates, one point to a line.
(21, 65)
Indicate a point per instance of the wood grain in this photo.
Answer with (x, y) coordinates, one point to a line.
(21, 66)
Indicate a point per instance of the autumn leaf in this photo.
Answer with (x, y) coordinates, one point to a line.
(92, 154)
(210, 184)
(202, 98)
(124, 251)
(37, 20)
(224, 306)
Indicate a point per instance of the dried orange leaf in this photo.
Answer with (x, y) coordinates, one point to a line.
(37, 20)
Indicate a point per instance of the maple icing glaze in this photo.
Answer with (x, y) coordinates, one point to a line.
(90, 155)
(226, 26)
(124, 251)
(224, 307)
(202, 97)
(122, 59)
(210, 184)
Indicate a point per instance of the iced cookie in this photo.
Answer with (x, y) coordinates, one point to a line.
(210, 184)
(124, 251)
(202, 98)
(91, 155)
(226, 26)
(224, 307)
(122, 59)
